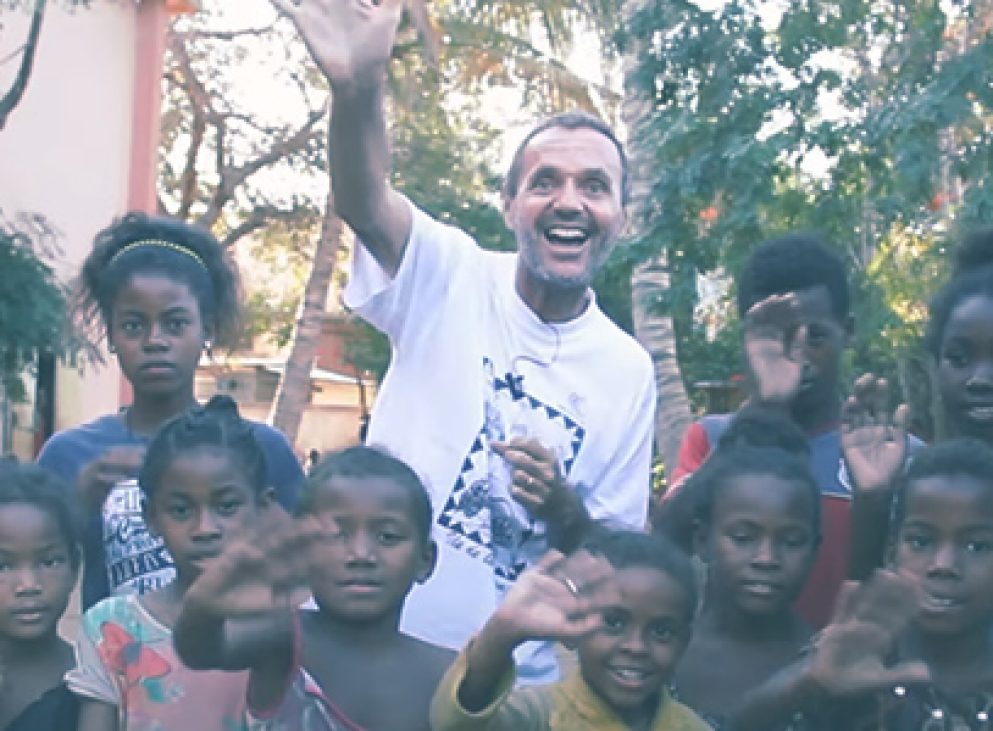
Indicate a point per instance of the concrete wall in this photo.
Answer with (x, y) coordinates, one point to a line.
(80, 149)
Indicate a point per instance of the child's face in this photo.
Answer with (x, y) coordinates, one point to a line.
(965, 368)
(634, 653)
(375, 551)
(760, 544)
(201, 502)
(826, 340)
(158, 333)
(945, 544)
(36, 576)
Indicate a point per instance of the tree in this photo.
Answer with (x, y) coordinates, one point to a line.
(845, 117)
(27, 325)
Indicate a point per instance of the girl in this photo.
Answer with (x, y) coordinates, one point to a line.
(204, 483)
(959, 336)
(368, 542)
(936, 675)
(627, 603)
(161, 292)
(39, 563)
(756, 519)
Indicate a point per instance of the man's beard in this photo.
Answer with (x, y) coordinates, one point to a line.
(529, 249)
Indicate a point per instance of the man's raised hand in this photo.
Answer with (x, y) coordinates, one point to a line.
(349, 40)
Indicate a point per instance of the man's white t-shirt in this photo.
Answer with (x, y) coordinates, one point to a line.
(473, 364)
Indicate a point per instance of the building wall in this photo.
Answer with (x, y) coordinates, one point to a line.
(79, 150)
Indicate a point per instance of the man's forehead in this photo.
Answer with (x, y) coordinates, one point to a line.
(580, 148)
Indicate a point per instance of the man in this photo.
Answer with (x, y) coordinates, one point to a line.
(524, 408)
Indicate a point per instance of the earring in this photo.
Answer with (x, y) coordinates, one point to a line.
(207, 345)
(111, 348)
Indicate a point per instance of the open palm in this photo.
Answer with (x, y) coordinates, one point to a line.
(543, 605)
(349, 40)
(850, 656)
(774, 344)
(874, 444)
(263, 571)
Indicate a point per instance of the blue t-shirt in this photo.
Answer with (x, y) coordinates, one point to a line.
(69, 451)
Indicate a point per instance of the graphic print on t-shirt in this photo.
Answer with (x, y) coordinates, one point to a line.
(137, 561)
(481, 517)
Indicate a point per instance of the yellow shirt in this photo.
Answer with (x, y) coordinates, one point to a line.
(570, 705)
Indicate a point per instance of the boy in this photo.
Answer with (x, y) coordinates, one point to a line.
(794, 290)
(363, 542)
(627, 603)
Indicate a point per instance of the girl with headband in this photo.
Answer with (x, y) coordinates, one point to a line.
(162, 292)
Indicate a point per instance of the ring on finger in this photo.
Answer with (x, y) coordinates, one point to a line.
(570, 585)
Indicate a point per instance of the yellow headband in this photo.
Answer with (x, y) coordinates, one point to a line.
(161, 244)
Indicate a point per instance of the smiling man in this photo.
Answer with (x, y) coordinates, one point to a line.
(524, 408)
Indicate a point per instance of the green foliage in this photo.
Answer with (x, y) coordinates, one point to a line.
(869, 121)
(32, 311)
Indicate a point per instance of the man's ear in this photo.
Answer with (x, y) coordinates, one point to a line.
(428, 561)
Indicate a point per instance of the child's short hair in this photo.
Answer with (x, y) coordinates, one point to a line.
(30, 484)
(972, 276)
(759, 426)
(140, 243)
(630, 549)
(217, 424)
(791, 263)
(693, 504)
(365, 462)
(962, 456)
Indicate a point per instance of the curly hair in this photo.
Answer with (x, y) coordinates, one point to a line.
(218, 424)
(30, 484)
(177, 250)
(363, 462)
(790, 263)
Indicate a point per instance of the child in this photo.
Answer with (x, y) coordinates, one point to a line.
(800, 271)
(757, 523)
(941, 673)
(204, 483)
(161, 292)
(627, 603)
(39, 563)
(959, 336)
(372, 543)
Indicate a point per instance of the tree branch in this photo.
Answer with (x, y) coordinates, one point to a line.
(233, 176)
(13, 96)
(260, 217)
(225, 35)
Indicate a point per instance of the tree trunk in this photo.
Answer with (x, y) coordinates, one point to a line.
(293, 393)
(656, 333)
(13, 96)
(652, 325)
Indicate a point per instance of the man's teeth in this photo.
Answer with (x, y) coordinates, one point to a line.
(567, 234)
(943, 603)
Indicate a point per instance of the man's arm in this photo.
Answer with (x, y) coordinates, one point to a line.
(351, 42)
